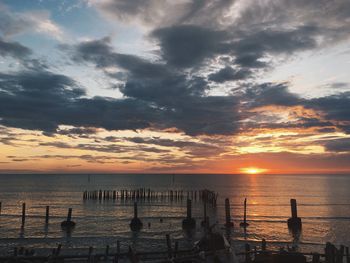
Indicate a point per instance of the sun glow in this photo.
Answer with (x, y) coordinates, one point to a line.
(252, 170)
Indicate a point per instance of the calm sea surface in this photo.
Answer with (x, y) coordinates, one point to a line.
(323, 205)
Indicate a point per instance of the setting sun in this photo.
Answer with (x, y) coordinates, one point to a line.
(252, 170)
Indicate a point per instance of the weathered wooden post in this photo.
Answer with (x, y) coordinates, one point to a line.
(47, 215)
(58, 250)
(90, 254)
(294, 223)
(248, 259)
(244, 223)
(23, 214)
(0, 207)
(263, 244)
(168, 244)
(189, 222)
(204, 223)
(315, 258)
(107, 253)
(116, 258)
(340, 254)
(228, 223)
(176, 248)
(135, 223)
(347, 255)
(68, 224)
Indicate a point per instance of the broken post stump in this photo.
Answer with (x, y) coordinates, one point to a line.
(135, 224)
(244, 223)
(228, 223)
(189, 222)
(294, 223)
(68, 224)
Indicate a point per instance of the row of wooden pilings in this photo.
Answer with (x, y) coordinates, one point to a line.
(136, 224)
(66, 223)
(171, 252)
(331, 254)
(210, 197)
(294, 223)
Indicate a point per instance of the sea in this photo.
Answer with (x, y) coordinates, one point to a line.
(323, 205)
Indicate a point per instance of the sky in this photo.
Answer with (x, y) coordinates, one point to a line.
(188, 86)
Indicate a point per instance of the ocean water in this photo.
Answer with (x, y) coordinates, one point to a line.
(323, 205)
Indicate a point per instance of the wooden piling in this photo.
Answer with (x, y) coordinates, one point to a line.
(106, 253)
(228, 214)
(47, 215)
(58, 250)
(189, 222)
(244, 223)
(294, 223)
(248, 259)
(293, 206)
(23, 214)
(189, 208)
(118, 246)
(340, 254)
(168, 244)
(204, 223)
(68, 224)
(263, 244)
(135, 223)
(69, 216)
(90, 254)
(316, 258)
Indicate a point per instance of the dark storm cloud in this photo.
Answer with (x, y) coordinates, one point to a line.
(335, 107)
(79, 131)
(338, 145)
(271, 94)
(192, 148)
(180, 98)
(188, 45)
(228, 74)
(110, 148)
(172, 91)
(167, 142)
(40, 100)
(13, 49)
(101, 54)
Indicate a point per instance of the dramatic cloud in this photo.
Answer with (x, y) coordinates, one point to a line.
(213, 77)
(155, 13)
(14, 23)
(335, 107)
(338, 145)
(40, 100)
(179, 97)
(187, 45)
(13, 49)
(228, 74)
